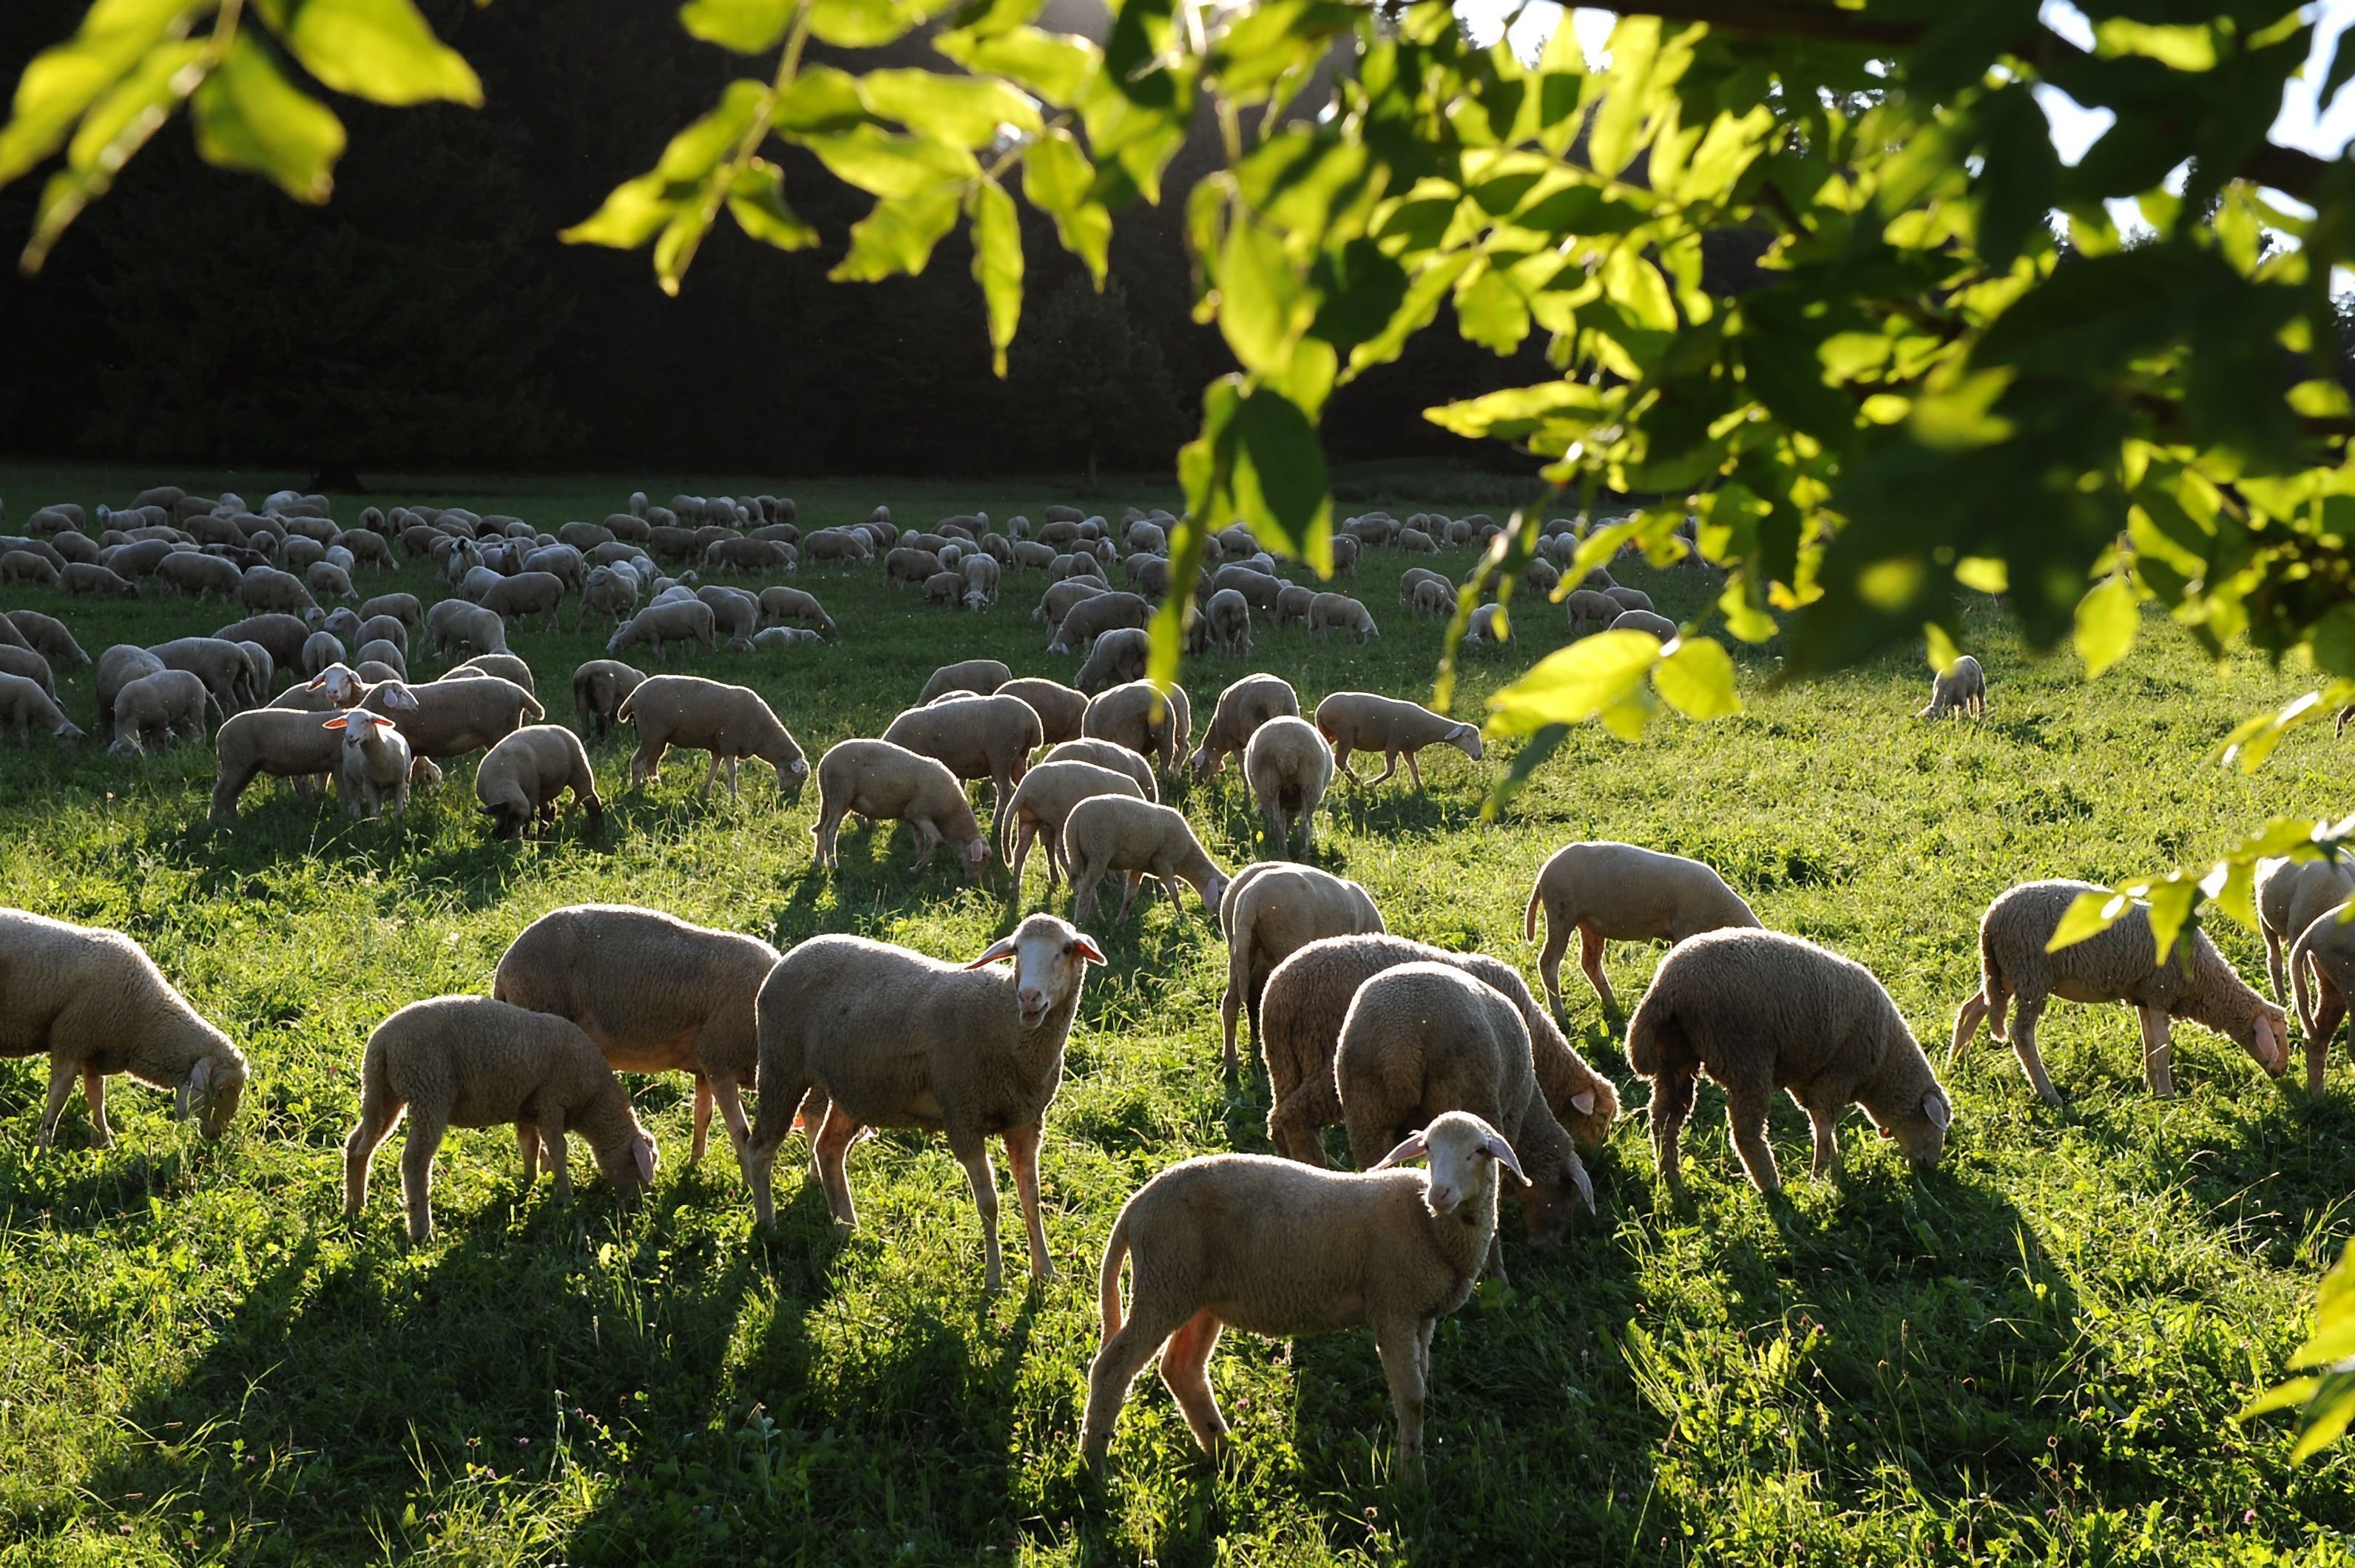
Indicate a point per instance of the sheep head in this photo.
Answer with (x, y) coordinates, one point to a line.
(2266, 1039)
(1463, 1152)
(1921, 1131)
(1050, 959)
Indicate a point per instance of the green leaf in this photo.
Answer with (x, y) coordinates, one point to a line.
(1490, 312)
(892, 167)
(2106, 622)
(676, 199)
(117, 127)
(249, 115)
(868, 24)
(2172, 900)
(631, 213)
(676, 246)
(756, 200)
(997, 265)
(1696, 678)
(1262, 308)
(1942, 649)
(966, 110)
(899, 235)
(62, 82)
(381, 51)
(1056, 178)
(2089, 914)
(1574, 684)
(1055, 66)
(1279, 477)
(747, 26)
(819, 98)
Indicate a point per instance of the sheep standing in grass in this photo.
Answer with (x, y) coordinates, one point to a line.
(1288, 767)
(1062, 711)
(1271, 1247)
(598, 687)
(979, 676)
(1113, 833)
(881, 781)
(454, 624)
(1332, 611)
(1271, 910)
(1366, 722)
(520, 781)
(731, 722)
(93, 1003)
(157, 708)
(474, 1062)
(1307, 1000)
(975, 738)
(873, 1035)
(1119, 657)
(1960, 688)
(655, 994)
(1758, 1012)
(25, 708)
(1243, 707)
(46, 635)
(1422, 1040)
(448, 718)
(1618, 892)
(373, 762)
(2322, 974)
(2119, 964)
(1043, 801)
(1153, 723)
(684, 622)
(2290, 894)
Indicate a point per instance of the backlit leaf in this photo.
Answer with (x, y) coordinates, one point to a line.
(2106, 622)
(997, 264)
(381, 51)
(249, 115)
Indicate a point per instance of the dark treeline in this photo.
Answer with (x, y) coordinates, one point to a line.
(427, 318)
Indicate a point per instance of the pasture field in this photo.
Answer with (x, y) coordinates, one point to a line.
(2032, 1355)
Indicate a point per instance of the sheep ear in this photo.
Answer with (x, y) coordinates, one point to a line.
(1585, 1101)
(1002, 948)
(400, 696)
(1414, 1148)
(1584, 1183)
(340, 722)
(1935, 1106)
(1497, 1148)
(641, 1152)
(1085, 945)
(192, 1093)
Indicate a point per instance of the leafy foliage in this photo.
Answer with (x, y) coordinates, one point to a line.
(2324, 1399)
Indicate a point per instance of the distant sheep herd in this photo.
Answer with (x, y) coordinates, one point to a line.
(1418, 1052)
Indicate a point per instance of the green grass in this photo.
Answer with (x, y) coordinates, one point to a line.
(2032, 1355)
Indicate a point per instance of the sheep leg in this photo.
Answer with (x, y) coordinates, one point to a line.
(1828, 1155)
(553, 1144)
(1672, 1104)
(527, 1146)
(982, 1177)
(1399, 1345)
(93, 1094)
(702, 1119)
(709, 774)
(1589, 958)
(1341, 766)
(645, 762)
(1389, 762)
(1022, 1154)
(425, 1130)
(1186, 1372)
(62, 1072)
(2330, 1008)
(1026, 831)
(1131, 882)
(1231, 1005)
(829, 1156)
(1170, 886)
(2025, 1014)
(375, 1125)
(2157, 1052)
(1413, 772)
(928, 838)
(1557, 943)
(1746, 1106)
(1966, 1026)
(1121, 1356)
(2274, 964)
(732, 1114)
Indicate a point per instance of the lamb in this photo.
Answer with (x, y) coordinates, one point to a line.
(455, 622)
(881, 1036)
(506, 667)
(374, 761)
(266, 587)
(980, 676)
(1307, 999)
(598, 687)
(1328, 612)
(95, 1003)
(1153, 723)
(2325, 955)
(46, 635)
(1093, 616)
(327, 578)
(687, 620)
(380, 655)
(1108, 754)
(1410, 595)
(1243, 708)
(285, 742)
(2290, 894)
(782, 605)
(1363, 720)
(975, 738)
(2117, 966)
(880, 780)
(1271, 910)
(281, 635)
(730, 721)
(519, 782)
(164, 705)
(1041, 804)
(196, 576)
(25, 706)
(1062, 711)
(1618, 892)
(1288, 767)
(1759, 1010)
(1271, 1248)
(1113, 833)
(476, 1062)
(1059, 598)
(1120, 656)
(1960, 688)
(1292, 603)
(221, 664)
(1422, 1040)
(524, 595)
(981, 577)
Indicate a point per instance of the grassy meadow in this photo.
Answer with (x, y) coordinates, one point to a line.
(2032, 1355)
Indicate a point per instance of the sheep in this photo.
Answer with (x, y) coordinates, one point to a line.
(1272, 1248)
(25, 706)
(2289, 895)
(31, 665)
(904, 564)
(476, 1062)
(196, 576)
(944, 587)
(117, 668)
(1292, 603)
(95, 1003)
(1269, 911)
(457, 623)
(1109, 754)
(681, 621)
(975, 738)
(1096, 614)
(10, 637)
(1366, 722)
(320, 649)
(2119, 964)
(1243, 707)
(167, 705)
(1260, 589)
(1422, 1040)
(1224, 623)
(1113, 833)
(1759, 1010)
(519, 782)
(219, 663)
(979, 676)
(1489, 626)
(598, 687)
(1062, 711)
(1288, 767)
(1120, 656)
(524, 595)
(383, 655)
(1059, 598)
(402, 607)
(782, 604)
(1043, 802)
(1153, 723)
(374, 761)
(731, 722)
(2324, 954)
(328, 580)
(1618, 892)
(1625, 597)
(759, 557)
(609, 593)
(1960, 688)
(1328, 612)
(283, 743)
(46, 635)
(281, 635)
(506, 667)
(1411, 582)
(448, 718)
(81, 577)
(24, 566)
(885, 1037)
(980, 578)
(838, 544)
(1591, 609)
(880, 780)
(267, 589)
(1658, 626)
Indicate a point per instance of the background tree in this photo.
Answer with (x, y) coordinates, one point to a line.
(1089, 384)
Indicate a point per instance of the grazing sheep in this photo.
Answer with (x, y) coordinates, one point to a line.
(759, 557)
(885, 1037)
(1658, 626)
(320, 649)
(220, 663)
(1272, 1248)
(1270, 911)
(1154, 724)
(168, 705)
(1328, 612)
(1093, 616)
(1758, 1012)
(1042, 802)
(979, 676)
(1440, 599)
(1243, 707)
(117, 666)
(782, 605)
(402, 607)
(192, 575)
(1365, 721)
(282, 636)
(520, 781)
(1224, 623)
(686, 621)
(1618, 892)
(266, 587)
(83, 578)
(880, 780)
(24, 566)
(524, 595)
(506, 667)
(1262, 590)
(1120, 656)
(1059, 598)
(457, 623)
(1062, 711)
(598, 687)
(285, 742)
(1591, 610)
(975, 738)
(1108, 754)
(655, 994)
(2289, 895)
(2324, 954)
(944, 587)
(731, 722)
(31, 665)
(1422, 1040)
(610, 592)
(330, 581)
(735, 616)
(25, 706)
(2117, 966)
(476, 1062)
(93, 1002)
(375, 762)
(1113, 833)
(1288, 767)
(1960, 688)
(46, 635)
(1292, 605)
(1489, 626)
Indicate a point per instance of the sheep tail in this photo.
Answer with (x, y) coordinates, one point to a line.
(1529, 915)
(627, 712)
(1108, 1281)
(1995, 993)
(1653, 1037)
(2300, 962)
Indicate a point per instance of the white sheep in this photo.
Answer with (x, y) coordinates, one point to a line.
(1120, 656)
(25, 708)
(518, 783)
(1043, 801)
(1243, 708)
(1062, 711)
(1113, 833)
(2289, 895)
(1960, 688)
(1329, 612)
(374, 761)
(168, 705)
(1367, 722)
(731, 722)
(979, 676)
(1619, 892)
(1288, 767)
(881, 781)
(974, 737)
(1269, 911)
(1153, 723)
